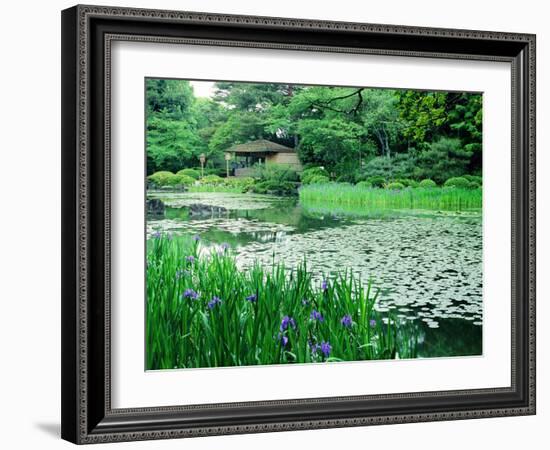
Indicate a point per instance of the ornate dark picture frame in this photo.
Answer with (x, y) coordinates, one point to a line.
(87, 34)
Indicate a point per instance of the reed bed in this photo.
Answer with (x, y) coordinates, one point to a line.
(447, 199)
(203, 311)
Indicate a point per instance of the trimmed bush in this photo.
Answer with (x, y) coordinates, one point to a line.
(377, 181)
(195, 174)
(364, 184)
(182, 180)
(458, 182)
(395, 186)
(318, 179)
(211, 179)
(407, 182)
(162, 178)
(474, 179)
(474, 185)
(312, 172)
(427, 183)
(167, 179)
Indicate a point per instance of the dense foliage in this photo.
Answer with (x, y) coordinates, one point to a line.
(202, 311)
(354, 134)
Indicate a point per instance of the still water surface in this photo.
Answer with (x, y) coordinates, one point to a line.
(427, 264)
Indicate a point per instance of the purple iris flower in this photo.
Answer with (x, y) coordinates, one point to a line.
(316, 315)
(225, 246)
(196, 238)
(190, 259)
(284, 341)
(346, 320)
(324, 285)
(286, 322)
(252, 298)
(313, 347)
(190, 293)
(157, 234)
(326, 348)
(215, 301)
(372, 323)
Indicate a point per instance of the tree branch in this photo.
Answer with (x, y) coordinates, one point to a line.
(326, 104)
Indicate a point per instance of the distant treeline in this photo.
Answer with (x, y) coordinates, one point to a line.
(354, 133)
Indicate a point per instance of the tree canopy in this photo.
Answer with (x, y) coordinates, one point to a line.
(351, 131)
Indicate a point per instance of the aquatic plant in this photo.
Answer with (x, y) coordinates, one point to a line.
(395, 197)
(212, 314)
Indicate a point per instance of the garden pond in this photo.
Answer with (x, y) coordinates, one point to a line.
(427, 264)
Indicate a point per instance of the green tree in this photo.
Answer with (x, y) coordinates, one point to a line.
(240, 127)
(380, 117)
(422, 114)
(171, 144)
(355, 132)
(465, 122)
(329, 141)
(173, 98)
(253, 97)
(172, 140)
(445, 158)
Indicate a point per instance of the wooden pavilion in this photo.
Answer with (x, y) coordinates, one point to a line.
(262, 151)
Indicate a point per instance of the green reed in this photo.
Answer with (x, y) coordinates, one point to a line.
(203, 311)
(448, 199)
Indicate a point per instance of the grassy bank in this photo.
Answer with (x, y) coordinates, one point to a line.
(202, 311)
(449, 199)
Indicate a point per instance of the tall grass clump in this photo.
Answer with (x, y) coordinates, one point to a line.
(449, 199)
(203, 311)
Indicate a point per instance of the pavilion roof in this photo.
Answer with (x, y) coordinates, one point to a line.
(260, 146)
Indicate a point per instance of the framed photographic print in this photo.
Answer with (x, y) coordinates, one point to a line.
(280, 224)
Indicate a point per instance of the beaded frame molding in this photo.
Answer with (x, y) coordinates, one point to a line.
(87, 35)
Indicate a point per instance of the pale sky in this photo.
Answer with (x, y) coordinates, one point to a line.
(203, 88)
